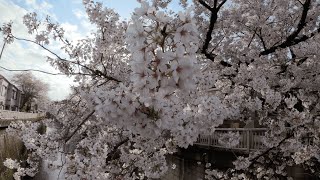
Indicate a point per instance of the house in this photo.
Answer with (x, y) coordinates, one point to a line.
(13, 98)
(10, 98)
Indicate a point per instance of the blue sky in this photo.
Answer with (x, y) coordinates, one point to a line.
(71, 16)
(66, 8)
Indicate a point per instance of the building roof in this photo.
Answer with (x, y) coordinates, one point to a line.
(2, 77)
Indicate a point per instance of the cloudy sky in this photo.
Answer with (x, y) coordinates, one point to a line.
(70, 14)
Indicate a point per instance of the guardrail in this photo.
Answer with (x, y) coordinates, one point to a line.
(6, 117)
(249, 138)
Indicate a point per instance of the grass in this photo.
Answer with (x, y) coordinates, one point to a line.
(10, 147)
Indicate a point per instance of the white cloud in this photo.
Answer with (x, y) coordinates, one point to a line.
(72, 31)
(86, 26)
(30, 2)
(79, 14)
(14, 13)
(43, 6)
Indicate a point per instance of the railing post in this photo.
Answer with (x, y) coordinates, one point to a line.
(248, 140)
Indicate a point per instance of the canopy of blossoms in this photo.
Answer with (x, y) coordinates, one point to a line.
(152, 84)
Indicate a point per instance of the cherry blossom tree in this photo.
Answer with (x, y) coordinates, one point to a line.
(33, 89)
(152, 84)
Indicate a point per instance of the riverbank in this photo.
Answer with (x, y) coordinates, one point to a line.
(10, 147)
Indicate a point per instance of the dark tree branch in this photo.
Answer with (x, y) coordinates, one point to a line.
(254, 34)
(115, 149)
(206, 5)
(289, 135)
(293, 55)
(261, 39)
(221, 4)
(293, 38)
(213, 19)
(268, 150)
(79, 126)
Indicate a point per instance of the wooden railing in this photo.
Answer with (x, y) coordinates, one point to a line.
(249, 138)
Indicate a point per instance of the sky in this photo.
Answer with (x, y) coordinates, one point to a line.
(71, 16)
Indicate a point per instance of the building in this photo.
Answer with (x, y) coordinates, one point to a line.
(13, 98)
(10, 95)
(4, 83)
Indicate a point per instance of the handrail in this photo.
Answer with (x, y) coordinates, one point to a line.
(241, 129)
(249, 139)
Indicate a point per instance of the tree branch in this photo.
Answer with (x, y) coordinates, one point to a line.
(292, 38)
(206, 5)
(79, 126)
(115, 149)
(268, 150)
(261, 39)
(213, 19)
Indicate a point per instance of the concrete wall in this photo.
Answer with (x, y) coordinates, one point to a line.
(6, 117)
(5, 114)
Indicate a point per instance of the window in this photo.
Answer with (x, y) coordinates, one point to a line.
(14, 94)
(4, 90)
